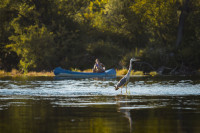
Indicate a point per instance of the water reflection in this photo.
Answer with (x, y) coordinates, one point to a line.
(122, 103)
(92, 105)
(100, 114)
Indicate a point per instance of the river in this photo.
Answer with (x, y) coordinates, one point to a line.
(153, 104)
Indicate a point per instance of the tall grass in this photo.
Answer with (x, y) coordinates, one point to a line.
(2, 72)
(133, 73)
(120, 72)
(124, 72)
(15, 72)
(88, 70)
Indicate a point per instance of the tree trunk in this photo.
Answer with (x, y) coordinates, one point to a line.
(181, 22)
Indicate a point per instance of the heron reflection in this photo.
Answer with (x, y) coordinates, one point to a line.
(123, 107)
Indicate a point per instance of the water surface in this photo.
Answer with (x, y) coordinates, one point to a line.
(153, 104)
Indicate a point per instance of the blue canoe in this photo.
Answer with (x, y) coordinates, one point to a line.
(58, 71)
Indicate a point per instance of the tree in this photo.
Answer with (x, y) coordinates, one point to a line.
(48, 33)
(8, 59)
(182, 18)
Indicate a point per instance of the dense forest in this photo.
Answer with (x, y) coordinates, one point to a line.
(37, 35)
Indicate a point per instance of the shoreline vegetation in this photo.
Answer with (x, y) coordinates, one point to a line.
(119, 72)
(39, 35)
(16, 73)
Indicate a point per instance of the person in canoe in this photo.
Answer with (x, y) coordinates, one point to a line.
(98, 67)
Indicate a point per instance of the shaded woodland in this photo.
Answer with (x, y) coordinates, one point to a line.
(37, 35)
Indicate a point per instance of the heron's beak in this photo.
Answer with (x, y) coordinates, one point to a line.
(136, 59)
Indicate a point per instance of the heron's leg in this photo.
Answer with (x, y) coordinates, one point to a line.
(129, 91)
(126, 89)
(121, 90)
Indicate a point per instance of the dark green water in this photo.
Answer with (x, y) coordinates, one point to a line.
(155, 105)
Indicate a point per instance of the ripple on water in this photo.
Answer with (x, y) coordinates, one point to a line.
(91, 87)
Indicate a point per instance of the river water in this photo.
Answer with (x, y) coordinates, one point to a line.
(48, 105)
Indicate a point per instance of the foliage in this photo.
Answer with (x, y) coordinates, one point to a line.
(34, 46)
(40, 35)
(8, 59)
(105, 51)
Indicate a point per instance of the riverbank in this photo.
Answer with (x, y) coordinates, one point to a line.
(15, 72)
(119, 72)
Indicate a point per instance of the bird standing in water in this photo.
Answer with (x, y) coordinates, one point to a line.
(124, 81)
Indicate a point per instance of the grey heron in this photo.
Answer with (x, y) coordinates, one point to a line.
(124, 81)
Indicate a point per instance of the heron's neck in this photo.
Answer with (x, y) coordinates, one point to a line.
(130, 68)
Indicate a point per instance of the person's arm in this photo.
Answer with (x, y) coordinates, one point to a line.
(103, 66)
(94, 68)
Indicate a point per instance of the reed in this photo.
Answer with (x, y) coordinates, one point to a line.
(153, 73)
(88, 70)
(15, 73)
(119, 72)
(138, 73)
(2, 73)
(75, 69)
(40, 73)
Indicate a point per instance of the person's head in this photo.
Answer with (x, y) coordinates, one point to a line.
(97, 61)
